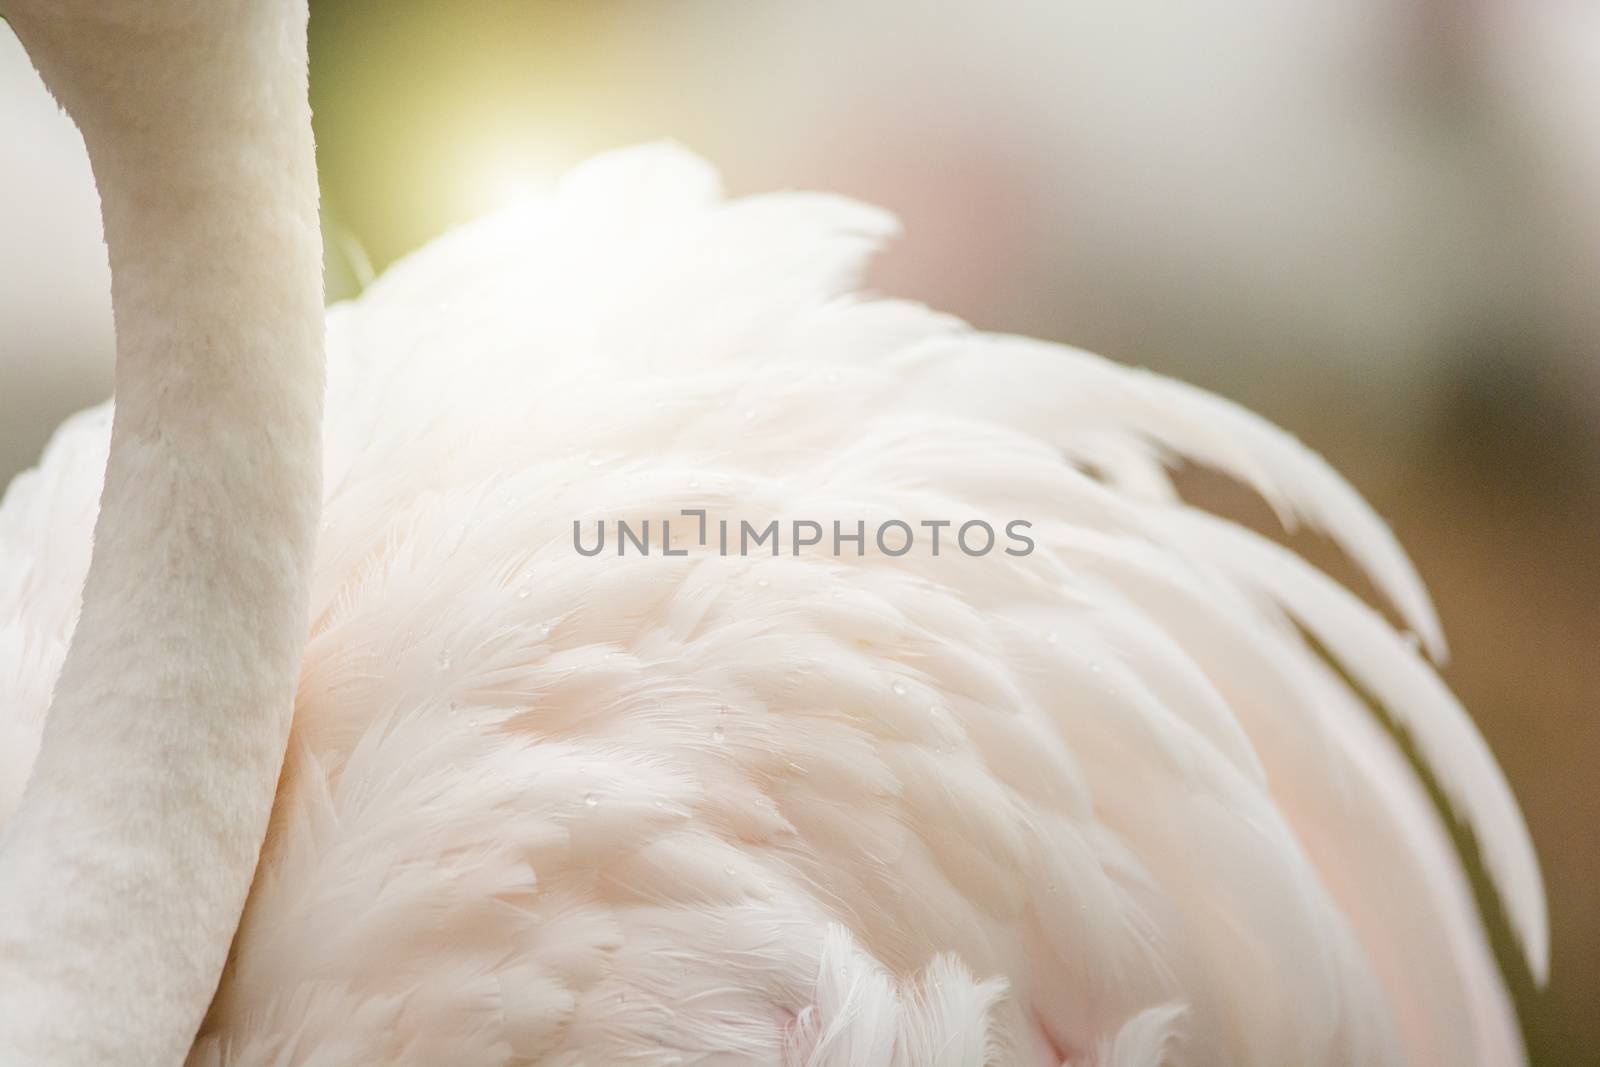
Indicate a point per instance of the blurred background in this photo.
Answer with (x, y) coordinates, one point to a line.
(1375, 221)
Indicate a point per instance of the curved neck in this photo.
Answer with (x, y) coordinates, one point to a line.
(125, 867)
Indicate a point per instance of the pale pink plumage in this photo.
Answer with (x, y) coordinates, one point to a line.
(1098, 805)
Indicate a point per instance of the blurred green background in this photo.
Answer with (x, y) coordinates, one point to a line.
(1375, 221)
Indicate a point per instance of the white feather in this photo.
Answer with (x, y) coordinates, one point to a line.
(1097, 804)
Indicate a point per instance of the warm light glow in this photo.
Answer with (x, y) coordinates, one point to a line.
(511, 173)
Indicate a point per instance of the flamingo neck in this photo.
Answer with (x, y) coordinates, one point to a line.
(125, 867)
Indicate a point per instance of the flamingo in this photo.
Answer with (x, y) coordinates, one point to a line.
(355, 754)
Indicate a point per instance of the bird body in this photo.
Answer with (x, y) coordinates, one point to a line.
(1100, 802)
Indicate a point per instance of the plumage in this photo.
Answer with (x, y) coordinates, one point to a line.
(1103, 803)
